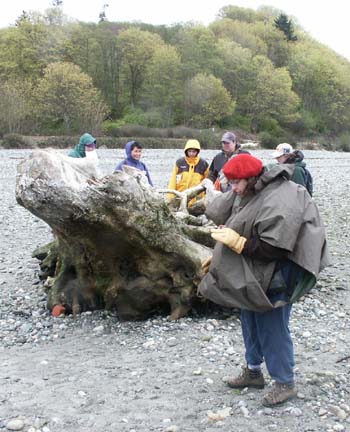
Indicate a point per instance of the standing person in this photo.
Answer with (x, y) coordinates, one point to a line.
(268, 254)
(86, 143)
(230, 148)
(189, 170)
(133, 150)
(284, 154)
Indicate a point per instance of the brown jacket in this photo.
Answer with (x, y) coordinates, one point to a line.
(280, 213)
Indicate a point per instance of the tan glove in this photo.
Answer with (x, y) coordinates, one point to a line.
(206, 264)
(230, 238)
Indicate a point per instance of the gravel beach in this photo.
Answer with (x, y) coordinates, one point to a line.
(95, 373)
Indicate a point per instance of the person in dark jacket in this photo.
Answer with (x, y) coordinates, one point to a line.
(270, 248)
(133, 150)
(230, 148)
(284, 154)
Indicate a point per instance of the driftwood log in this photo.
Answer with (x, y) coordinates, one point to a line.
(117, 244)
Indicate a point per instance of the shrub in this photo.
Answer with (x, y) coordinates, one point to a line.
(16, 141)
(267, 140)
(271, 126)
(343, 142)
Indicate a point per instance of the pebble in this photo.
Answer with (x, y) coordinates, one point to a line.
(15, 425)
(193, 346)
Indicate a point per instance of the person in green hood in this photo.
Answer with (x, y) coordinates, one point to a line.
(284, 154)
(86, 143)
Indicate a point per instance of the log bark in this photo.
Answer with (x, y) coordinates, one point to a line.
(118, 245)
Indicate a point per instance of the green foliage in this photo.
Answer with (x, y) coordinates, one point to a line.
(66, 96)
(271, 126)
(267, 140)
(343, 142)
(137, 49)
(250, 69)
(286, 26)
(207, 101)
(15, 106)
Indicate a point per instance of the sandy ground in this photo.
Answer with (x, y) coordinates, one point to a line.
(97, 374)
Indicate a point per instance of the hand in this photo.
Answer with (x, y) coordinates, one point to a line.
(206, 264)
(230, 238)
(208, 184)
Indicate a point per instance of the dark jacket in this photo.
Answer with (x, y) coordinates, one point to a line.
(219, 161)
(279, 213)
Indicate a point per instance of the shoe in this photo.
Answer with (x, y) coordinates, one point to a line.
(279, 394)
(247, 378)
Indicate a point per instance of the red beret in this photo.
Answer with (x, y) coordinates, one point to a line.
(242, 166)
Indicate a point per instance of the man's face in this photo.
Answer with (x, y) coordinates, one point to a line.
(240, 187)
(228, 146)
(136, 153)
(282, 159)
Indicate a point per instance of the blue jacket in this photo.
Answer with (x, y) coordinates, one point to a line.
(130, 161)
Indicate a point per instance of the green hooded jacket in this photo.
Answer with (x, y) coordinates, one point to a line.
(79, 150)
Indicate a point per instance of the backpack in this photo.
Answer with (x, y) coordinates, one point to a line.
(309, 183)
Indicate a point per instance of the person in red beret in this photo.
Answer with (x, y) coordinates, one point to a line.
(270, 248)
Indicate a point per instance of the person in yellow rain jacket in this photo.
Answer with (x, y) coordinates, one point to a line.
(189, 170)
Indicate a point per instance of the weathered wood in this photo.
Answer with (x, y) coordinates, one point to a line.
(118, 244)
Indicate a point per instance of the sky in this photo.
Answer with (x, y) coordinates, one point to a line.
(327, 22)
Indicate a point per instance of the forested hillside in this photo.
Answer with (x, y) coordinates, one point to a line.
(253, 70)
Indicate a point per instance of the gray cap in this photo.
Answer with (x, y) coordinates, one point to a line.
(228, 136)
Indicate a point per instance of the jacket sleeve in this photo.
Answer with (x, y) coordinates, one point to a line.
(213, 173)
(258, 249)
(119, 167)
(172, 182)
(298, 176)
(148, 176)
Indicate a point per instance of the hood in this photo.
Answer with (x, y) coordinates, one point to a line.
(128, 149)
(192, 144)
(277, 171)
(87, 139)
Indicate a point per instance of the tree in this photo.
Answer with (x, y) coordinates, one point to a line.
(240, 32)
(285, 25)
(238, 13)
(269, 94)
(137, 49)
(15, 106)
(66, 97)
(162, 87)
(103, 15)
(25, 50)
(117, 243)
(322, 81)
(206, 101)
(197, 47)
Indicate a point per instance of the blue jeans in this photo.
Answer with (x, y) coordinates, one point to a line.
(266, 337)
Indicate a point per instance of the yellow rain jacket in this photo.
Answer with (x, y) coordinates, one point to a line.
(188, 172)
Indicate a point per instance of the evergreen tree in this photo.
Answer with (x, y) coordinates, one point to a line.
(286, 26)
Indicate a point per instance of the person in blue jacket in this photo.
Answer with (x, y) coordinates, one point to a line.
(133, 150)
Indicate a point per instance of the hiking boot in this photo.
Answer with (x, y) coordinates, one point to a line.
(247, 378)
(279, 394)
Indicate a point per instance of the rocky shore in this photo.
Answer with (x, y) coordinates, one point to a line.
(97, 373)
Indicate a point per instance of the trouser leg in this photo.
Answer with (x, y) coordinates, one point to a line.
(276, 343)
(253, 352)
